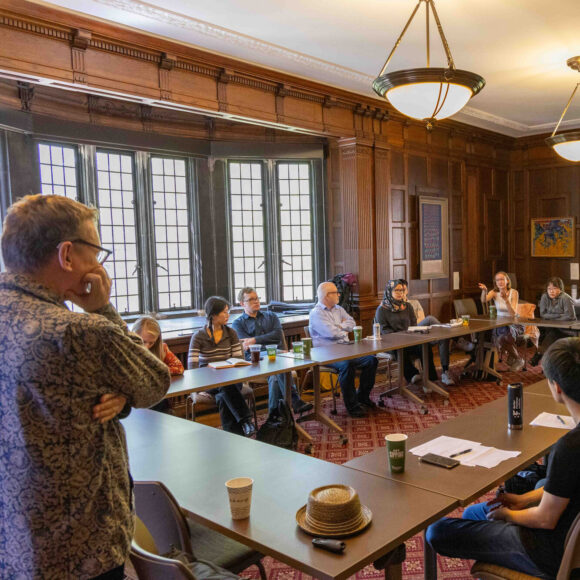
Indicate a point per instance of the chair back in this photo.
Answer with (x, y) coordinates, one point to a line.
(152, 567)
(161, 514)
(465, 306)
(513, 279)
(571, 558)
(147, 562)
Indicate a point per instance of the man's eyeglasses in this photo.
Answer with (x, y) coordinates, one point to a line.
(103, 254)
(256, 299)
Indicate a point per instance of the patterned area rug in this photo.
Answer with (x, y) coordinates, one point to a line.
(399, 416)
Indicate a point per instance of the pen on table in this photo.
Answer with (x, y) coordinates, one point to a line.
(459, 453)
(561, 420)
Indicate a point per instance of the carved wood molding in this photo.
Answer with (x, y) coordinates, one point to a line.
(56, 24)
(25, 94)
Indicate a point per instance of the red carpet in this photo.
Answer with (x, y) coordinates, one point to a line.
(399, 415)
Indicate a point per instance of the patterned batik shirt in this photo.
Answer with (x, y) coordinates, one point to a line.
(65, 491)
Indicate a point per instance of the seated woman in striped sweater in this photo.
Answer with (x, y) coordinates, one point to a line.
(218, 342)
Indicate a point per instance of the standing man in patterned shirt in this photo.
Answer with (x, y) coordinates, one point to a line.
(66, 493)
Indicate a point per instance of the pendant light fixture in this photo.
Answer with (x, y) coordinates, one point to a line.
(567, 145)
(428, 93)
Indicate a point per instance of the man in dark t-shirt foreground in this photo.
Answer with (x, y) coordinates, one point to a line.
(527, 532)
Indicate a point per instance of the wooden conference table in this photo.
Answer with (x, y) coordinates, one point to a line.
(194, 461)
(487, 425)
(398, 341)
(205, 378)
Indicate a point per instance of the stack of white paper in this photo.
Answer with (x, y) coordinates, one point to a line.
(555, 421)
(478, 454)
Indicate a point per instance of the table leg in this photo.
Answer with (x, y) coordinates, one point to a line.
(302, 434)
(402, 387)
(426, 382)
(429, 560)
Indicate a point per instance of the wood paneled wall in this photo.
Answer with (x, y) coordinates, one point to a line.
(543, 185)
(377, 161)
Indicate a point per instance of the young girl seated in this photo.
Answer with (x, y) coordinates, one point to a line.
(149, 330)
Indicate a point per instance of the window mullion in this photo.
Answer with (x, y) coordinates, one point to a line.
(87, 175)
(143, 213)
(194, 229)
(271, 232)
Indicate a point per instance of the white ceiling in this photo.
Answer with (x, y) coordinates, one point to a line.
(519, 46)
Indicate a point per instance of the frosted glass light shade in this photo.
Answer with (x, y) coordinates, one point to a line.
(428, 93)
(422, 100)
(566, 145)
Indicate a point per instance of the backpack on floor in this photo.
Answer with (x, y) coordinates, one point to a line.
(279, 428)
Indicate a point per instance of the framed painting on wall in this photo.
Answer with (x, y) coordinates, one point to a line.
(434, 238)
(553, 237)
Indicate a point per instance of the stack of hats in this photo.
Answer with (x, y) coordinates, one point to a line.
(333, 511)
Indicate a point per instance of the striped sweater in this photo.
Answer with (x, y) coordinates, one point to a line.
(203, 349)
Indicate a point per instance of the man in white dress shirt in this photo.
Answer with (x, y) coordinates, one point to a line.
(330, 324)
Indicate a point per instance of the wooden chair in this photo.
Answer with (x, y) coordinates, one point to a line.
(333, 374)
(570, 561)
(490, 353)
(169, 529)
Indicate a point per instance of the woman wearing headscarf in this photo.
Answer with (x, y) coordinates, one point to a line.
(395, 314)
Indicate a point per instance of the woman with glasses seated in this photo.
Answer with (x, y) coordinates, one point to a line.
(395, 314)
(505, 299)
(555, 304)
(218, 342)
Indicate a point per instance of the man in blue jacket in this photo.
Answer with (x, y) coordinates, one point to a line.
(256, 326)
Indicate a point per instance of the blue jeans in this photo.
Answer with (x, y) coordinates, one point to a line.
(442, 345)
(473, 537)
(277, 391)
(346, 370)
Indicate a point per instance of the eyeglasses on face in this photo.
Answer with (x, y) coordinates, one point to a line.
(103, 254)
(253, 299)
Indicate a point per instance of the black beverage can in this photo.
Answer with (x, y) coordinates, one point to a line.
(516, 406)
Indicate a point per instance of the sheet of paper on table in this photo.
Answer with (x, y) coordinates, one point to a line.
(479, 455)
(551, 420)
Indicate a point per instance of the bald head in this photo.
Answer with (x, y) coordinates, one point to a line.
(328, 294)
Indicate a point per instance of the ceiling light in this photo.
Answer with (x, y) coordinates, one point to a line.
(428, 93)
(567, 145)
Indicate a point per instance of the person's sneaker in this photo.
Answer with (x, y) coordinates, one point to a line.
(248, 428)
(535, 360)
(464, 345)
(447, 380)
(517, 365)
(357, 412)
(368, 402)
(301, 406)
(417, 379)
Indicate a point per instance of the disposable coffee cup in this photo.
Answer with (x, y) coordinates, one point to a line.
(255, 353)
(271, 351)
(357, 333)
(240, 494)
(465, 319)
(396, 443)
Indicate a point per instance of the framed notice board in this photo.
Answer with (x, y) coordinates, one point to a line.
(433, 238)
